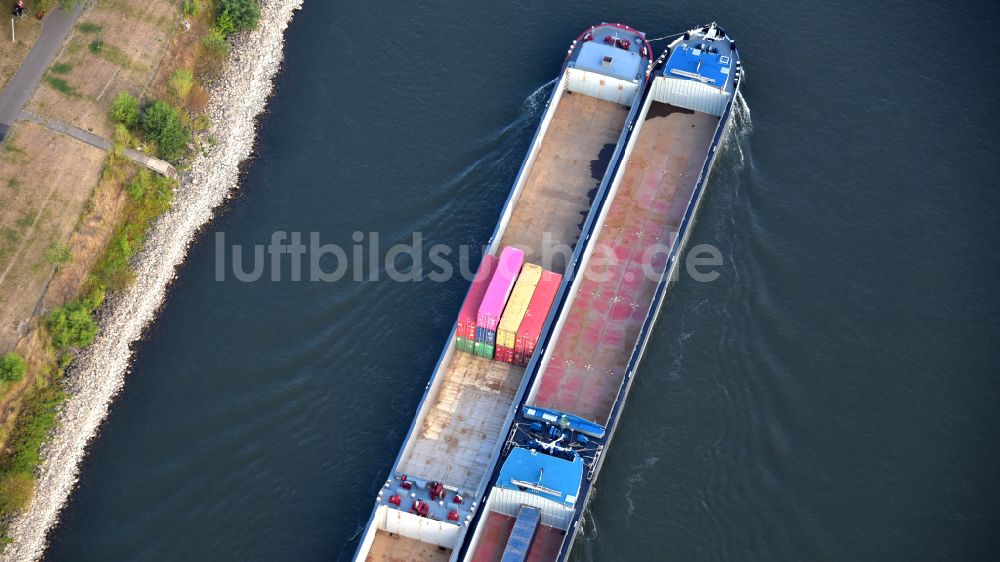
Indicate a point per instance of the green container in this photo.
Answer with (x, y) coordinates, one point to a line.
(484, 349)
(466, 345)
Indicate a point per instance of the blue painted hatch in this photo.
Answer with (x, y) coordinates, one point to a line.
(548, 477)
(698, 62)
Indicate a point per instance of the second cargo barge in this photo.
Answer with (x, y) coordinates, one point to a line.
(560, 438)
(424, 508)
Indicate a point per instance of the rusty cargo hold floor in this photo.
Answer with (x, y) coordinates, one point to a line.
(544, 547)
(466, 419)
(592, 350)
(565, 176)
(394, 548)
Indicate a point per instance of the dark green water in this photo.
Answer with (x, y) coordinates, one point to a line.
(832, 396)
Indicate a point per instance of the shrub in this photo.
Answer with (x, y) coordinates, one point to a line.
(94, 298)
(114, 270)
(122, 138)
(163, 125)
(34, 422)
(215, 43)
(192, 7)
(149, 196)
(15, 491)
(152, 191)
(72, 325)
(135, 188)
(180, 83)
(57, 253)
(237, 15)
(125, 110)
(224, 23)
(12, 367)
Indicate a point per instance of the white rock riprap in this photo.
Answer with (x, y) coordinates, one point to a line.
(236, 99)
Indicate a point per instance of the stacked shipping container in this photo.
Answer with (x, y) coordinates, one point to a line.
(517, 305)
(506, 306)
(534, 317)
(465, 334)
(495, 299)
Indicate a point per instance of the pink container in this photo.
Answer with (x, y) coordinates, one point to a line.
(495, 299)
(467, 317)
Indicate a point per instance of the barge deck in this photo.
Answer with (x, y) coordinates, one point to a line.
(565, 177)
(467, 415)
(544, 547)
(588, 363)
(425, 506)
(465, 421)
(395, 548)
(560, 438)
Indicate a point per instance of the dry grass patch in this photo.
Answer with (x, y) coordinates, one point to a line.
(186, 51)
(45, 182)
(103, 213)
(116, 46)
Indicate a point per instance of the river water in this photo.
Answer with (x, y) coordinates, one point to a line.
(831, 396)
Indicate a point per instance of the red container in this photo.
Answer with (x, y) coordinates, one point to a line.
(531, 326)
(467, 317)
(505, 354)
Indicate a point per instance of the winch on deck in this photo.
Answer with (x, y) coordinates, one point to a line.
(426, 498)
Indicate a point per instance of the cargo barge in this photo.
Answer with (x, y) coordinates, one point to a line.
(560, 436)
(424, 509)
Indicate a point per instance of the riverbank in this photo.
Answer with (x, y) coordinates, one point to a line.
(236, 97)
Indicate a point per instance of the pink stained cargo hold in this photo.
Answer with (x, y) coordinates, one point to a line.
(495, 299)
(470, 308)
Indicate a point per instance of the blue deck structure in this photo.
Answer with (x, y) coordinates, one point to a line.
(548, 477)
(702, 62)
(563, 420)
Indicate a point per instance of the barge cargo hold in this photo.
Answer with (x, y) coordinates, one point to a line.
(424, 508)
(560, 437)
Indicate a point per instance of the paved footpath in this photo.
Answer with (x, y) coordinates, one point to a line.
(22, 85)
